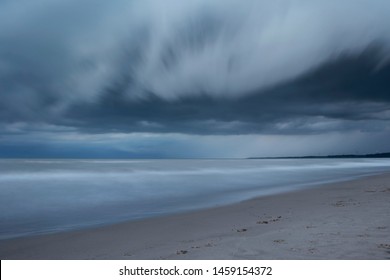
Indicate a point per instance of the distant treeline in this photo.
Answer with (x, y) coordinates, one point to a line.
(380, 155)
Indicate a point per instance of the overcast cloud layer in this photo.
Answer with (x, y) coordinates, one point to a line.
(179, 68)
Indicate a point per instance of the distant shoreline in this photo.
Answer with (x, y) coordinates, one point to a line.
(379, 155)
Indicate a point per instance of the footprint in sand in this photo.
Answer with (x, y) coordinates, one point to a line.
(312, 250)
(339, 203)
(181, 252)
(309, 227)
(208, 245)
(342, 203)
(384, 246)
(272, 220)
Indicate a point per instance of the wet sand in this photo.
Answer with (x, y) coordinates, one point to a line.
(348, 220)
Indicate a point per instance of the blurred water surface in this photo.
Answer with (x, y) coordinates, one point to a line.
(43, 196)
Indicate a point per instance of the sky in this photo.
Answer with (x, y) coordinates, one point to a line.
(193, 79)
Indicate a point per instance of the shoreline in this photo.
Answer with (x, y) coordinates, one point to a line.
(342, 220)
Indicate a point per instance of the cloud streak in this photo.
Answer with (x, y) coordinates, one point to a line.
(76, 49)
(197, 67)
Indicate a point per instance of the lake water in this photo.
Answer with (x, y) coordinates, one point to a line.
(43, 196)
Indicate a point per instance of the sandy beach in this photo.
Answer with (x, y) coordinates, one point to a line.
(348, 220)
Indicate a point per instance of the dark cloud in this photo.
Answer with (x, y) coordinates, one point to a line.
(350, 90)
(198, 67)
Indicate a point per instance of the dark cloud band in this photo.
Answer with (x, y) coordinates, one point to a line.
(223, 67)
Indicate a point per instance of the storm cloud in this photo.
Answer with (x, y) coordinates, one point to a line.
(222, 67)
